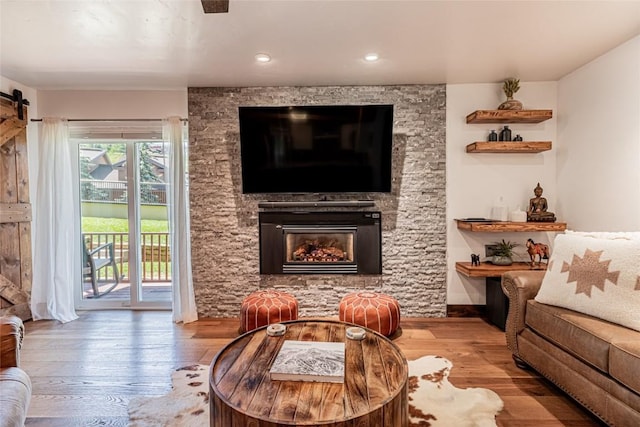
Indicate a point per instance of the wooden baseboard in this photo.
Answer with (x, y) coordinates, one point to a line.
(466, 310)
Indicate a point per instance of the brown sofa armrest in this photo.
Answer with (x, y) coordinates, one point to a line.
(11, 336)
(519, 287)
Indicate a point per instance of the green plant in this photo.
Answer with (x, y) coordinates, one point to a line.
(504, 248)
(511, 86)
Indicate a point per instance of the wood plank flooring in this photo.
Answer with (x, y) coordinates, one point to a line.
(85, 372)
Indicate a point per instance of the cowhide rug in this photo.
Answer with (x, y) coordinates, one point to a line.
(433, 400)
(187, 405)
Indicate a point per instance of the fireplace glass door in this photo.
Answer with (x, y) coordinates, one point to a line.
(313, 249)
(319, 246)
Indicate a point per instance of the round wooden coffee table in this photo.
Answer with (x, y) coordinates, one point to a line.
(374, 392)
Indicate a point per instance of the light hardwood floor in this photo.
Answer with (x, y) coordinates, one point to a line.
(85, 372)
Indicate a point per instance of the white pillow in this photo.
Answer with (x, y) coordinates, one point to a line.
(596, 276)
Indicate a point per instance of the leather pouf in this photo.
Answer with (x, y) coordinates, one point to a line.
(263, 308)
(373, 310)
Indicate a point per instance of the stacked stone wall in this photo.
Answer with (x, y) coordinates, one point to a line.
(224, 222)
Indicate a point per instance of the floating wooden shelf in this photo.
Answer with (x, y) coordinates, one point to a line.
(509, 147)
(486, 269)
(509, 116)
(497, 303)
(507, 226)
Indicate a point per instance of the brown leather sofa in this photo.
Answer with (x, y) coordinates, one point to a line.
(594, 361)
(15, 385)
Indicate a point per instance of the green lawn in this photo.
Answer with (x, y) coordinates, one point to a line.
(118, 225)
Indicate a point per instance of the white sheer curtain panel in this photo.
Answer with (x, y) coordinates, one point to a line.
(56, 253)
(184, 304)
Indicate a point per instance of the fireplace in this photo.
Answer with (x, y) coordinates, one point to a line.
(320, 243)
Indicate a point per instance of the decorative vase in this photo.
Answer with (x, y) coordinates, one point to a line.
(505, 134)
(501, 260)
(510, 104)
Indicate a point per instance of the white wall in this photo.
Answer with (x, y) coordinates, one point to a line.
(475, 182)
(151, 104)
(598, 154)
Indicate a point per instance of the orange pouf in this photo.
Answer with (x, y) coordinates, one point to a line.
(263, 308)
(373, 310)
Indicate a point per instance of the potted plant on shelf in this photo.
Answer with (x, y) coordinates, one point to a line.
(510, 87)
(503, 252)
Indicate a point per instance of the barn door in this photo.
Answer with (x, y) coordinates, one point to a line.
(15, 210)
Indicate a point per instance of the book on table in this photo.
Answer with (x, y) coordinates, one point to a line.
(318, 361)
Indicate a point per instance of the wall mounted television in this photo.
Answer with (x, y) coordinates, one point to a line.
(316, 149)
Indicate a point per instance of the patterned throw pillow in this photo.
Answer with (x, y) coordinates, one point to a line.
(595, 274)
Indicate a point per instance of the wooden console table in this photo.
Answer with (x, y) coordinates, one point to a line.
(374, 392)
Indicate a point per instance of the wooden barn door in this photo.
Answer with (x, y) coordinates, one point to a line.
(15, 213)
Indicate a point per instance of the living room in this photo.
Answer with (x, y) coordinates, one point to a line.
(568, 180)
(590, 176)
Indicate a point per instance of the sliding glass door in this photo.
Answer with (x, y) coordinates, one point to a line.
(124, 223)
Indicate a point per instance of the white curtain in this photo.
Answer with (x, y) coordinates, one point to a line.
(184, 304)
(56, 253)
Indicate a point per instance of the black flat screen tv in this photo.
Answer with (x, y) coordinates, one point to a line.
(316, 149)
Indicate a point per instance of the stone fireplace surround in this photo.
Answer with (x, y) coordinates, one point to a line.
(224, 222)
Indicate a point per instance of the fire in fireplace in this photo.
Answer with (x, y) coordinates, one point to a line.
(320, 243)
(319, 247)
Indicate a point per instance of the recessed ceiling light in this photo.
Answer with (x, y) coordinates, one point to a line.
(371, 57)
(263, 57)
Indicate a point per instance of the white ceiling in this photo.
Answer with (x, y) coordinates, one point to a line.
(153, 44)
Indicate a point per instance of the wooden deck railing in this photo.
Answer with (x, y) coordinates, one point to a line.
(94, 190)
(156, 259)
